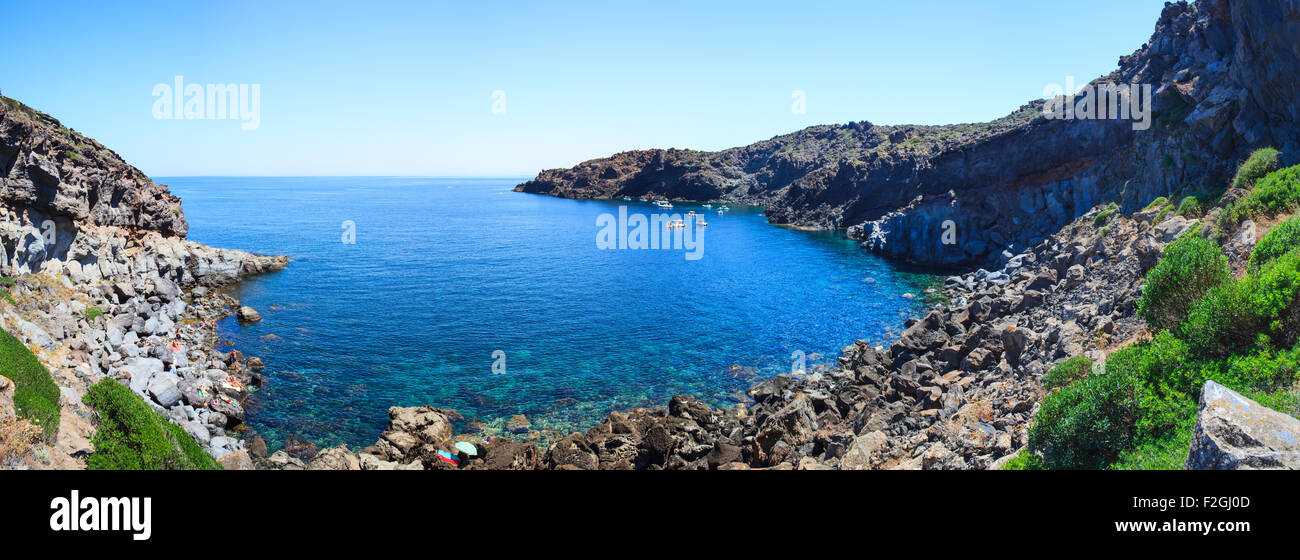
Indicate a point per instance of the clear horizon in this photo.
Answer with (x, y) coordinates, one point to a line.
(411, 90)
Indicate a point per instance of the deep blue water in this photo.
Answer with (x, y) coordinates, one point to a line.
(444, 272)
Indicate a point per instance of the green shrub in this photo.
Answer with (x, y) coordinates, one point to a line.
(36, 397)
(1161, 201)
(1190, 267)
(1086, 423)
(1107, 212)
(1189, 206)
(6, 282)
(1167, 453)
(132, 436)
(1260, 309)
(1275, 193)
(1280, 240)
(1024, 461)
(91, 313)
(1067, 372)
(1260, 163)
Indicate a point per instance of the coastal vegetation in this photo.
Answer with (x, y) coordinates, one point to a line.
(132, 436)
(36, 397)
(1137, 410)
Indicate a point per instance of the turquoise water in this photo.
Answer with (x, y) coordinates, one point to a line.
(446, 272)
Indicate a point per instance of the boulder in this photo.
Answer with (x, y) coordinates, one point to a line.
(335, 459)
(248, 315)
(859, 454)
(163, 389)
(1234, 432)
(236, 461)
(433, 425)
(518, 424)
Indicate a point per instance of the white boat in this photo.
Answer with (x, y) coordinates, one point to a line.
(663, 204)
(691, 213)
(723, 207)
(701, 222)
(708, 206)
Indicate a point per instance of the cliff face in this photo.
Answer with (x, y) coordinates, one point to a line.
(69, 205)
(57, 171)
(1224, 78)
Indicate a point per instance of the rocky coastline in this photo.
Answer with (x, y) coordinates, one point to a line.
(104, 284)
(1223, 81)
(957, 390)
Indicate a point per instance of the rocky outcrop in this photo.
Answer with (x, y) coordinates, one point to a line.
(1234, 432)
(59, 172)
(108, 286)
(1223, 74)
(70, 206)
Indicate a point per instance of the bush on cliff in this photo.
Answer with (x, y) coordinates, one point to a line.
(1257, 311)
(1191, 266)
(36, 397)
(1260, 163)
(1107, 212)
(1139, 411)
(1189, 206)
(132, 436)
(1281, 239)
(1275, 193)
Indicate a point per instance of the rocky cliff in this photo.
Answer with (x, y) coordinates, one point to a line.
(105, 285)
(70, 205)
(1223, 74)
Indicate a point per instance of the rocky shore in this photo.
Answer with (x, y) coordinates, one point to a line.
(1223, 77)
(1053, 209)
(104, 281)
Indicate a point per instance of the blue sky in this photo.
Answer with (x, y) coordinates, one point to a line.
(405, 88)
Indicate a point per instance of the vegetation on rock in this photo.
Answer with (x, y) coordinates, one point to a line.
(132, 436)
(36, 397)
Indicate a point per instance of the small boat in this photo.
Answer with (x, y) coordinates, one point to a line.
(676, 224)
(663, 204)
(701, 222)
(723, 207)
(708, 206)
(691, 213)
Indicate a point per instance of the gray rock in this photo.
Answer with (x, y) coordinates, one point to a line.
(1234, 432)
(163, 389)
(249, 315)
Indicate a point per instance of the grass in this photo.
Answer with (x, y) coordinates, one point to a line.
(93, 312)
(36, 397)
(132, 436)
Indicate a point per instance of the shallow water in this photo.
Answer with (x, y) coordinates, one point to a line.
(446, 272)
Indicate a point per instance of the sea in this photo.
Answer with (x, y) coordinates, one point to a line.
(462, 294)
